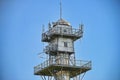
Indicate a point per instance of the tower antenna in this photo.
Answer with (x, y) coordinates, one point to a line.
(60, 9)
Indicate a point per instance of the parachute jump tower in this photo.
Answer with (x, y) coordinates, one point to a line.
(61, 63)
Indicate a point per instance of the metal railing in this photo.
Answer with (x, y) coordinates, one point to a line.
(55, 47)
(82, 63)
(51, 47)
(62, 31)
(47, 63)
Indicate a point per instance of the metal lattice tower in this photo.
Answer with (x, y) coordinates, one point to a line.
(61, 63)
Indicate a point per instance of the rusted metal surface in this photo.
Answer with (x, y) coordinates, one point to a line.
(78, 67)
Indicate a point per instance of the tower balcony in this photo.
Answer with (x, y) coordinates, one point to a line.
(51, 66)
(54, 48)
(51, 48)
(62, 31)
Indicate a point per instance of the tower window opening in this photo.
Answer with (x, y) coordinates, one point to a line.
(65, 44)
(65, 30)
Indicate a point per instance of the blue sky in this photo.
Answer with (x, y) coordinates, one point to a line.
(21, 26)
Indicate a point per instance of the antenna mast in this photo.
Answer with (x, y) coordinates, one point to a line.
(60, 9)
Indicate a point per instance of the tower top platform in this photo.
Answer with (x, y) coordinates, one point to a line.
(61, 22)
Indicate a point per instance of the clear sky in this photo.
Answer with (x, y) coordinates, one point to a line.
(21, 26)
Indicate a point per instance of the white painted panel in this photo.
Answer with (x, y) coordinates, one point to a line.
(61, 44)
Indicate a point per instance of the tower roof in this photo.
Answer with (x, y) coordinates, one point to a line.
(61, 22)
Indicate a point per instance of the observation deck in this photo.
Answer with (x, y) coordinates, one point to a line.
(50, 67)
(68, 32)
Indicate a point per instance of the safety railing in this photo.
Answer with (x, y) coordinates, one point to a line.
(54, 47)
(47, 63)
(86, 64)
(62, 31)
(51, 47)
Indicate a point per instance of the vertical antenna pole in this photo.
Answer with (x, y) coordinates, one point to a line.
(60, 9)
(43, 29)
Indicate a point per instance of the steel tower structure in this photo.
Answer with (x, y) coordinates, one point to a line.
(61, 63)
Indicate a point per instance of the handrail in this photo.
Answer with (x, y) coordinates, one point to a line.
(63, 31)
(78, 63)
(55, 47)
